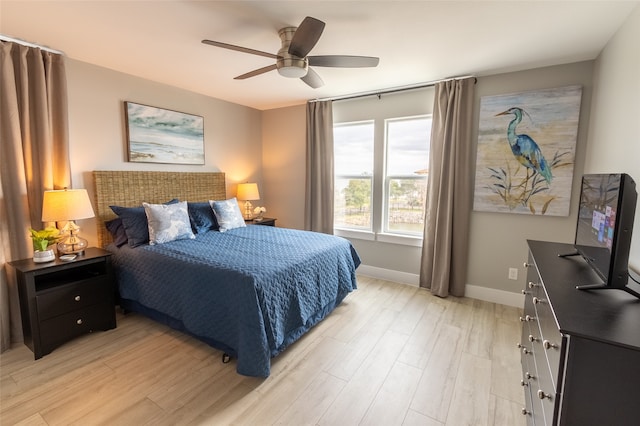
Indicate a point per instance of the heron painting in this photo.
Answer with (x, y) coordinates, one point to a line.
(526, 150)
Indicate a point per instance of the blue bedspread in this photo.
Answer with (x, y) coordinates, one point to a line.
(249, 291)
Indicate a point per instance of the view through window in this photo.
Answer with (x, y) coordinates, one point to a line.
(403, 175)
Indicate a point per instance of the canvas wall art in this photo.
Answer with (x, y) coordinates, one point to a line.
(157, 135)
(526, 151)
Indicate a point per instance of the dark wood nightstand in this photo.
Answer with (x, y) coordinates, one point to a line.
(62, 300)
(267, 221)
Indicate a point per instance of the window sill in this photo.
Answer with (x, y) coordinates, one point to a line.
(406, 240)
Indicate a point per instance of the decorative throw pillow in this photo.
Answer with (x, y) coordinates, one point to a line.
(202, 217)
(134, 220)
(168, 222)
(228, 214)
(116, 229)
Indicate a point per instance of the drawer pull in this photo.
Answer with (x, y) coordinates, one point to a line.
(525, 292)
(529, 376)
(548, 345)
(79, 321)
(522, 319)
(525, 412)
(537, 300)
(77, 298)
(529, 318)
(532, 284)
(523, 383)
(526, 265)
(533, 339)
(526, 351)
(543, 395)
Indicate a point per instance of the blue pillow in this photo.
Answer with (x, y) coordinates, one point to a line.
(202, 217)
(134, 220)
(228, 214)
(116, 229)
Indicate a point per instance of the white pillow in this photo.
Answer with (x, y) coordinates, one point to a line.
(168, 222)
(228, 214)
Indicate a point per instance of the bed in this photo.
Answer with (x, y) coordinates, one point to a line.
(249, 291)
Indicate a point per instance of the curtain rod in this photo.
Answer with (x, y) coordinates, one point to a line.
(390, 90)
(26, 43)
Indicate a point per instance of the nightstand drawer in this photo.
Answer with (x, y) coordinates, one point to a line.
(60, 329)
(73, 296)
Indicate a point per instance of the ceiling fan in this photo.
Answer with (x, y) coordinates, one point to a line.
(292, 60)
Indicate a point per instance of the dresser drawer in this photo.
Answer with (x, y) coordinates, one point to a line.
(550, 336)
(73, 296)
(57, 330)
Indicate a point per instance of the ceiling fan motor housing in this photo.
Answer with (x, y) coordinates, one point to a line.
(289, 65)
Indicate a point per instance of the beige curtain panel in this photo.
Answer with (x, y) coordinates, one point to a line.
(34, 157)
(319, 179)
(443, 266)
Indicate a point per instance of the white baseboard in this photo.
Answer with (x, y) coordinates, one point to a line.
(472, 291)
(389, 275)
(496, 296)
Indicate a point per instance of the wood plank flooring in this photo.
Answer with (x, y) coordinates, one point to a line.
(390, 354)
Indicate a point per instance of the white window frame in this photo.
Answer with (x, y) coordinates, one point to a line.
(379, 210)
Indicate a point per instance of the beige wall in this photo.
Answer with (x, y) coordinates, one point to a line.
(97, 130)
(614, 130)
(498, 240)
(283, 164)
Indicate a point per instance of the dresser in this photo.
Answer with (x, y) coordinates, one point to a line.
(580, 350)
(62, 300)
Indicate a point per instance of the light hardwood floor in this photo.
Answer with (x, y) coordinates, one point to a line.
(390, 354)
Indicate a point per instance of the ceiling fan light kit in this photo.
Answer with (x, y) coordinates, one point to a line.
(292, 60)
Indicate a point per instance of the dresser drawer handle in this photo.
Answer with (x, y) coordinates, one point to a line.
(79, 321)
(548, 345)
(529, 376)
(532, 284)
(543, 395)
(526, 265)
(533, 339)
(537, 300)
(523, 383)
(529, 318)
(77, 298)
(525, 412)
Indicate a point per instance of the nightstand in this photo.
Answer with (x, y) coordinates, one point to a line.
(62, 300)
(267, 221)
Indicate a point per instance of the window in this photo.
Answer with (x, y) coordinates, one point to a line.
(353, 169)
(407, 161)
(381, 181)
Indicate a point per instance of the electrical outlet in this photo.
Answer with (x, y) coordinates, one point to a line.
(513, 273)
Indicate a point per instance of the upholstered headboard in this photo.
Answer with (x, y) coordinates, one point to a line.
(131, 188)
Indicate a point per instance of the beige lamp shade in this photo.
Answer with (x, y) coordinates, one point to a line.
(66, 204)
(248, 191)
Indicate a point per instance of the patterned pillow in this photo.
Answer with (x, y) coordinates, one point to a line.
(228, 214)
(135, 223)
(202, 217)
(168, 222)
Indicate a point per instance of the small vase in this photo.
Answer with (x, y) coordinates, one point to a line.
(41, 256)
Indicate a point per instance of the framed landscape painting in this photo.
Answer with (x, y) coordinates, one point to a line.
(157, 135)
(526, 151)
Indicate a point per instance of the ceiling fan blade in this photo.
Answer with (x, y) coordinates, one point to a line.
(306, 36)
(240, 49)
(256, 72)
(343, 61)
(312, 79)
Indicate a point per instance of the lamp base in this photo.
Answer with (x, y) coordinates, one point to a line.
(72, 245)
(247, 210)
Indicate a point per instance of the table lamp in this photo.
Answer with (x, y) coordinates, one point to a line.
(68, 205)
(248, 192)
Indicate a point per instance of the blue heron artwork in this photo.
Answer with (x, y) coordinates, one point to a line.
(526, 150)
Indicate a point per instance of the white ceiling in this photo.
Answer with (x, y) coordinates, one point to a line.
(417, 41)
